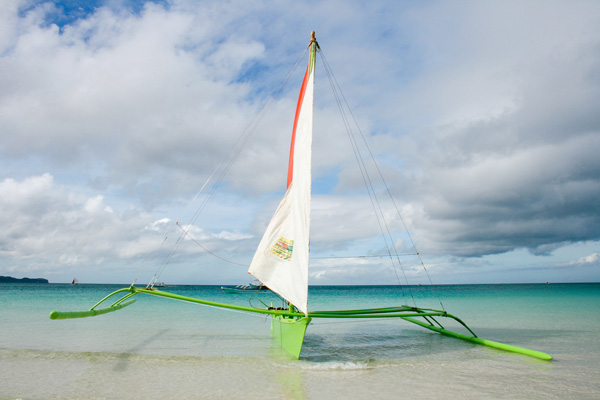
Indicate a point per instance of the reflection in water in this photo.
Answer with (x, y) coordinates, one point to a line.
(290, 380)
(124, 357)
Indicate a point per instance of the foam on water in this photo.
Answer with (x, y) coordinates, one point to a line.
(339, 365)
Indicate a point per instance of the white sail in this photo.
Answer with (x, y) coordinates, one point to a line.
(281, 260)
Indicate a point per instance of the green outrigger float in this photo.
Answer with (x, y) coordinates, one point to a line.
(281, 260)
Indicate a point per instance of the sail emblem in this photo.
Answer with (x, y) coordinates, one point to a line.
(283, 248)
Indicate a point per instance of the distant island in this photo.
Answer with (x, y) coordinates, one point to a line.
(10, 279)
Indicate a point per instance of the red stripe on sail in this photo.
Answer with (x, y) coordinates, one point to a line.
(298, 108)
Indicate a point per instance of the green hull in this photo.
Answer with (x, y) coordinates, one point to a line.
(289, 332)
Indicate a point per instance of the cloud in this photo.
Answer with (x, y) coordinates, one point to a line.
(592, 259)
(508, 159)
(530, 198)
(133, 95)
(483, 115)
(50, 228)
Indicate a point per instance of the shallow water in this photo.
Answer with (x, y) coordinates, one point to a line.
(170, 349)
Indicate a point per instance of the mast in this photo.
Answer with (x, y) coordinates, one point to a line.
(313, 45)
(281, 259)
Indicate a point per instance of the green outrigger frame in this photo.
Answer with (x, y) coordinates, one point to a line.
(288, 327)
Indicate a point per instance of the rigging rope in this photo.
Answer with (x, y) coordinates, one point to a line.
(186, 233)
(227, 162)
(341, 101)
(223, 168)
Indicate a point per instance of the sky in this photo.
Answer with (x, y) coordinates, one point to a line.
(484, 117)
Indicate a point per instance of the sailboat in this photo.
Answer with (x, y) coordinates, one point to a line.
(281, 260)
(245, 288)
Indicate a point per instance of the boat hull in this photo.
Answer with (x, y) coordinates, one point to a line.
(289, 332)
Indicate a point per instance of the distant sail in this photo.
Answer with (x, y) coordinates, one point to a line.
(281, 260)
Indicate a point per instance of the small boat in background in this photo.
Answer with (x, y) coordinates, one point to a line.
(244, 288)
(75, 281)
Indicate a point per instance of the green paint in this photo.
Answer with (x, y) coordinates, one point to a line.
(490, 343)
(288, 327)
(89, 313)
(289, 333)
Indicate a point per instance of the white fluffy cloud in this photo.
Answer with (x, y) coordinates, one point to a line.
(484, 116)
(50, 229)
(48, 226)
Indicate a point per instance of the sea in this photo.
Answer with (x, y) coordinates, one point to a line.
(161, 348)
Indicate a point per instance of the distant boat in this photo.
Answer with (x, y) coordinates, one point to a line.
(156, 285)
(244, 288)
(75, 281)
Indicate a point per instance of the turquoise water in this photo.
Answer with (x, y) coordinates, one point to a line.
(169, 349)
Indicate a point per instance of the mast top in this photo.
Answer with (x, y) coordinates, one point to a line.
(313, 39)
